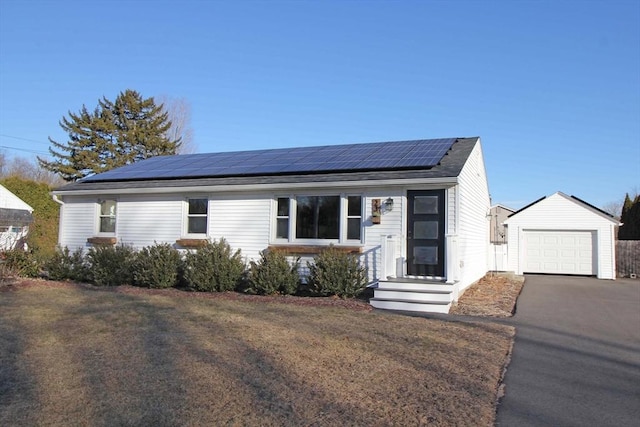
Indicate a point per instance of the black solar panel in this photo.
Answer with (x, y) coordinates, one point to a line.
(424, 153)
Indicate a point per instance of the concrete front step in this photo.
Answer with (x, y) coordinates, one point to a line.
(404, 305)
(415, 286)
(412, 295)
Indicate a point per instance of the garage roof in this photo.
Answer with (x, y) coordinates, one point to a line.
(574, 199)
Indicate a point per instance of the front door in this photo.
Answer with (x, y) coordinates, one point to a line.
(425, 233)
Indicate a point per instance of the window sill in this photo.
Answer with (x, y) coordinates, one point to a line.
(102, 241)
(312, 249)
(192, 243)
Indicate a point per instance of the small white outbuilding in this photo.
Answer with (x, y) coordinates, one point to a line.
(15, 217)
(562, 234)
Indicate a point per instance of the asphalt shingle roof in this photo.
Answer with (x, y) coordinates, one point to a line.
(448, 164)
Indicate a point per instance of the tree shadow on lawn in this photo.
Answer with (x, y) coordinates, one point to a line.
(16, 386)
(105, 357)
(88, 362)
(403, 357)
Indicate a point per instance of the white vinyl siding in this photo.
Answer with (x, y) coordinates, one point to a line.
(243, 220)
(473, 224)
(144, 220)
(450, 209)
(78, 221)
(246, 220)
(391, 224)
(561, 213)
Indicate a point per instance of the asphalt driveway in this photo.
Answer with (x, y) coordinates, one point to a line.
(576, 357)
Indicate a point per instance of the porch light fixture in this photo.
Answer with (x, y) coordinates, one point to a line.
(388, 204)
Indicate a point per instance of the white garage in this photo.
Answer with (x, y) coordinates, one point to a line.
(562, 234)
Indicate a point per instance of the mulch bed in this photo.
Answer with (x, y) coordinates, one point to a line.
(494, 295)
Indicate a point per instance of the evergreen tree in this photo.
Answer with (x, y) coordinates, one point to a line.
(113, 135)
(630, 219)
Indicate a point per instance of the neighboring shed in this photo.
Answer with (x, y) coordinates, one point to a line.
(15, 217)
(498, 214)
(498, 252)
(413, 211)
(562, 234)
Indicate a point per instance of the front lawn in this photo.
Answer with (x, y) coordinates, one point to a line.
(81, 355)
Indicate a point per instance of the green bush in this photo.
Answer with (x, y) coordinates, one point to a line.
(336, 273)
(213, 268)
(111, 265)
(67, 265)
(43, 232)
(157, 266)
(273, 274)
(17, 262)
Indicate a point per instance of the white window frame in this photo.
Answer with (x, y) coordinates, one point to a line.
(186, 216)
(343, 212)
(99, 217)
(279, 217)
(347, 217)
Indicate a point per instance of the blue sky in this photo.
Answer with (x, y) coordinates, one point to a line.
(551, 87)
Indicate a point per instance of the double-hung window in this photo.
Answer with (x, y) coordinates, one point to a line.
(319, 218)
(354, 217)
(282, 218)
(197, 216)
(107, 217)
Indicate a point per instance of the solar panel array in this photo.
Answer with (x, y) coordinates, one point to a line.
(330, 158)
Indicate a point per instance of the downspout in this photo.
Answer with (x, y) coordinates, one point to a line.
(56, 199)
(61, 203)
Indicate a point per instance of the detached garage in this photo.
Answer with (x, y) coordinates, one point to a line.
(562, 234)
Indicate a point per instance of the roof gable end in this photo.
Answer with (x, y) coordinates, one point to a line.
(8, 200)
(554, 202)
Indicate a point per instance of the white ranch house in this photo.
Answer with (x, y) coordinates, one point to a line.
(414, 211)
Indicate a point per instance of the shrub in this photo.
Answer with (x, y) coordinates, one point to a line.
(336, 273)
(17, 262)
(157, 266)
(273, 274)
(67, 265)
(43, 232)
(213, 268)
(111, 265)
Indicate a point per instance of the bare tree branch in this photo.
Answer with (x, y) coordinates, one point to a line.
(29, 169)
(179, 111)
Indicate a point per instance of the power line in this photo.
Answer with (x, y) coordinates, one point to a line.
(23, 149)
(23, 139)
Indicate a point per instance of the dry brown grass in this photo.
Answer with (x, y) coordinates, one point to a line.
(79, 355)
(494, 295)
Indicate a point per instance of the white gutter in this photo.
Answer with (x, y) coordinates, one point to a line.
(56, 199)
(424, 182)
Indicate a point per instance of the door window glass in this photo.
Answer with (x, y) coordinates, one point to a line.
(425, 205)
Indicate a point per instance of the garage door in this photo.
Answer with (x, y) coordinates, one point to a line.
(559, 252)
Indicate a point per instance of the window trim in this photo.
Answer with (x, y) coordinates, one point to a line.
(293, 212)
(186, 216)
(347, 217)
(99, 217)
(279, 217)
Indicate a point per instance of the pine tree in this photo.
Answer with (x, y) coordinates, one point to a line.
(630, 219)
(114, 134)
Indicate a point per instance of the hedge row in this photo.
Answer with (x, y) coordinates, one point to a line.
(214, 267)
